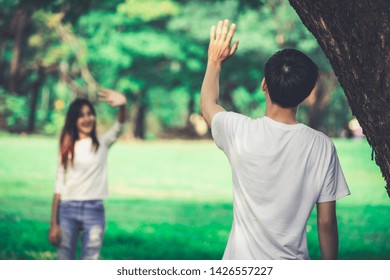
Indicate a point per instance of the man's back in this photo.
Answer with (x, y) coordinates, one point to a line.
(280, 172)
(280, 168)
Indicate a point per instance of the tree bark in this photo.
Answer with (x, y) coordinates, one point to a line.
(355, 36)
(2, 71)
(140, 109)
(190, 110)
(18, 26)
(34, 100)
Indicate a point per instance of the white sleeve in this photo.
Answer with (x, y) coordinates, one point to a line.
(335, 185)
(60, 177)
(112, 134)
(224, 127)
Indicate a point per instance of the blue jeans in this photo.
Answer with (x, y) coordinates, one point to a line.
(85, 217)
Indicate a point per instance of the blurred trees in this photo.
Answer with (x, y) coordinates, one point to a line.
(153, 51)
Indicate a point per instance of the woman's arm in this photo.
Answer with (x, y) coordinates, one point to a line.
(54, 232)
(114, 99)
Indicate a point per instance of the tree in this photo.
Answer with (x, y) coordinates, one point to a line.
(355, 37)
(153, 51)
(33, 48)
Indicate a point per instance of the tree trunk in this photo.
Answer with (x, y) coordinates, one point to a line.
(139, 130)
(2, 70)
(319, 99)
(190, 110)
(139, 108)
(34, 100)
(18, 27)
(355, 36)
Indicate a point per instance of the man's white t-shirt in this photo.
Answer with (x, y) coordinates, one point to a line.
(280, 172)
(86, 179)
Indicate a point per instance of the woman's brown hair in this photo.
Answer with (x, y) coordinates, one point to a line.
(70, 134)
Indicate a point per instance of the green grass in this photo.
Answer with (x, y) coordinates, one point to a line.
(172, 200)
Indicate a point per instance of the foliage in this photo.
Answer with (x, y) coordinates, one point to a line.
(148, 10)
(12, 110)
(169, 107)
(337, 118)
(154, 52)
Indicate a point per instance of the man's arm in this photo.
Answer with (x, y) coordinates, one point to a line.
(327, 230)
(219, 51)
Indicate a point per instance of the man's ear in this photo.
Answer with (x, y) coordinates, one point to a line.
(264, 85)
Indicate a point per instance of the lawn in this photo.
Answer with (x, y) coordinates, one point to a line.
(172, 200)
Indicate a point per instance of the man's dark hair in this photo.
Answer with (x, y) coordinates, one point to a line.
(290, 76)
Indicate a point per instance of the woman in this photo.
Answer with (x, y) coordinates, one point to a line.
(81, 182)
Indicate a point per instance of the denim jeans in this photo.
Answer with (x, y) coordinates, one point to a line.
(81, 217)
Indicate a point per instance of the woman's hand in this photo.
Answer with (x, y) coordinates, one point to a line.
(112, 97)
(55, 235)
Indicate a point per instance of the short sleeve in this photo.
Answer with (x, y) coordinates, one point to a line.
(335, 185)
(112, 134)
(224, 127)
(60, 177)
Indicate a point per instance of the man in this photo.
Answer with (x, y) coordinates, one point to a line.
(280, 168)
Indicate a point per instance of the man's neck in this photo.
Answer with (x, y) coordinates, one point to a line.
(280, 114)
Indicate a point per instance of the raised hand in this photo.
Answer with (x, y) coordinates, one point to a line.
(112, 97)
(220, 40)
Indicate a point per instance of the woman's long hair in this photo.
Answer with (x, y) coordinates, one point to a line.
(70, 134)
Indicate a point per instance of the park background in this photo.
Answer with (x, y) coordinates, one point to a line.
(170, 186)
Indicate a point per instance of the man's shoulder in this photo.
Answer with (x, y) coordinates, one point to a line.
(230, 117)
(231, 114)
(318, 135)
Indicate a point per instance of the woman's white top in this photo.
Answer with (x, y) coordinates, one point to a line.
(86, 179)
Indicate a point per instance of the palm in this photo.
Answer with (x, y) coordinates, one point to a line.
(113, 98)
(220, 40)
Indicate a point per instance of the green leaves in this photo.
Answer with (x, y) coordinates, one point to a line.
(148, 10)
(12, 109)
(150, 50)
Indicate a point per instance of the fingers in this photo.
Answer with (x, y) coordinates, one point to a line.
(225, 28)
(104, 91)
(222, 33)
(220, 40)
(55, 238)
(219, 31)
(231, 33)
(103, 98)
(55, 241)
(212, 33)
(104, 94)
(234, 48)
